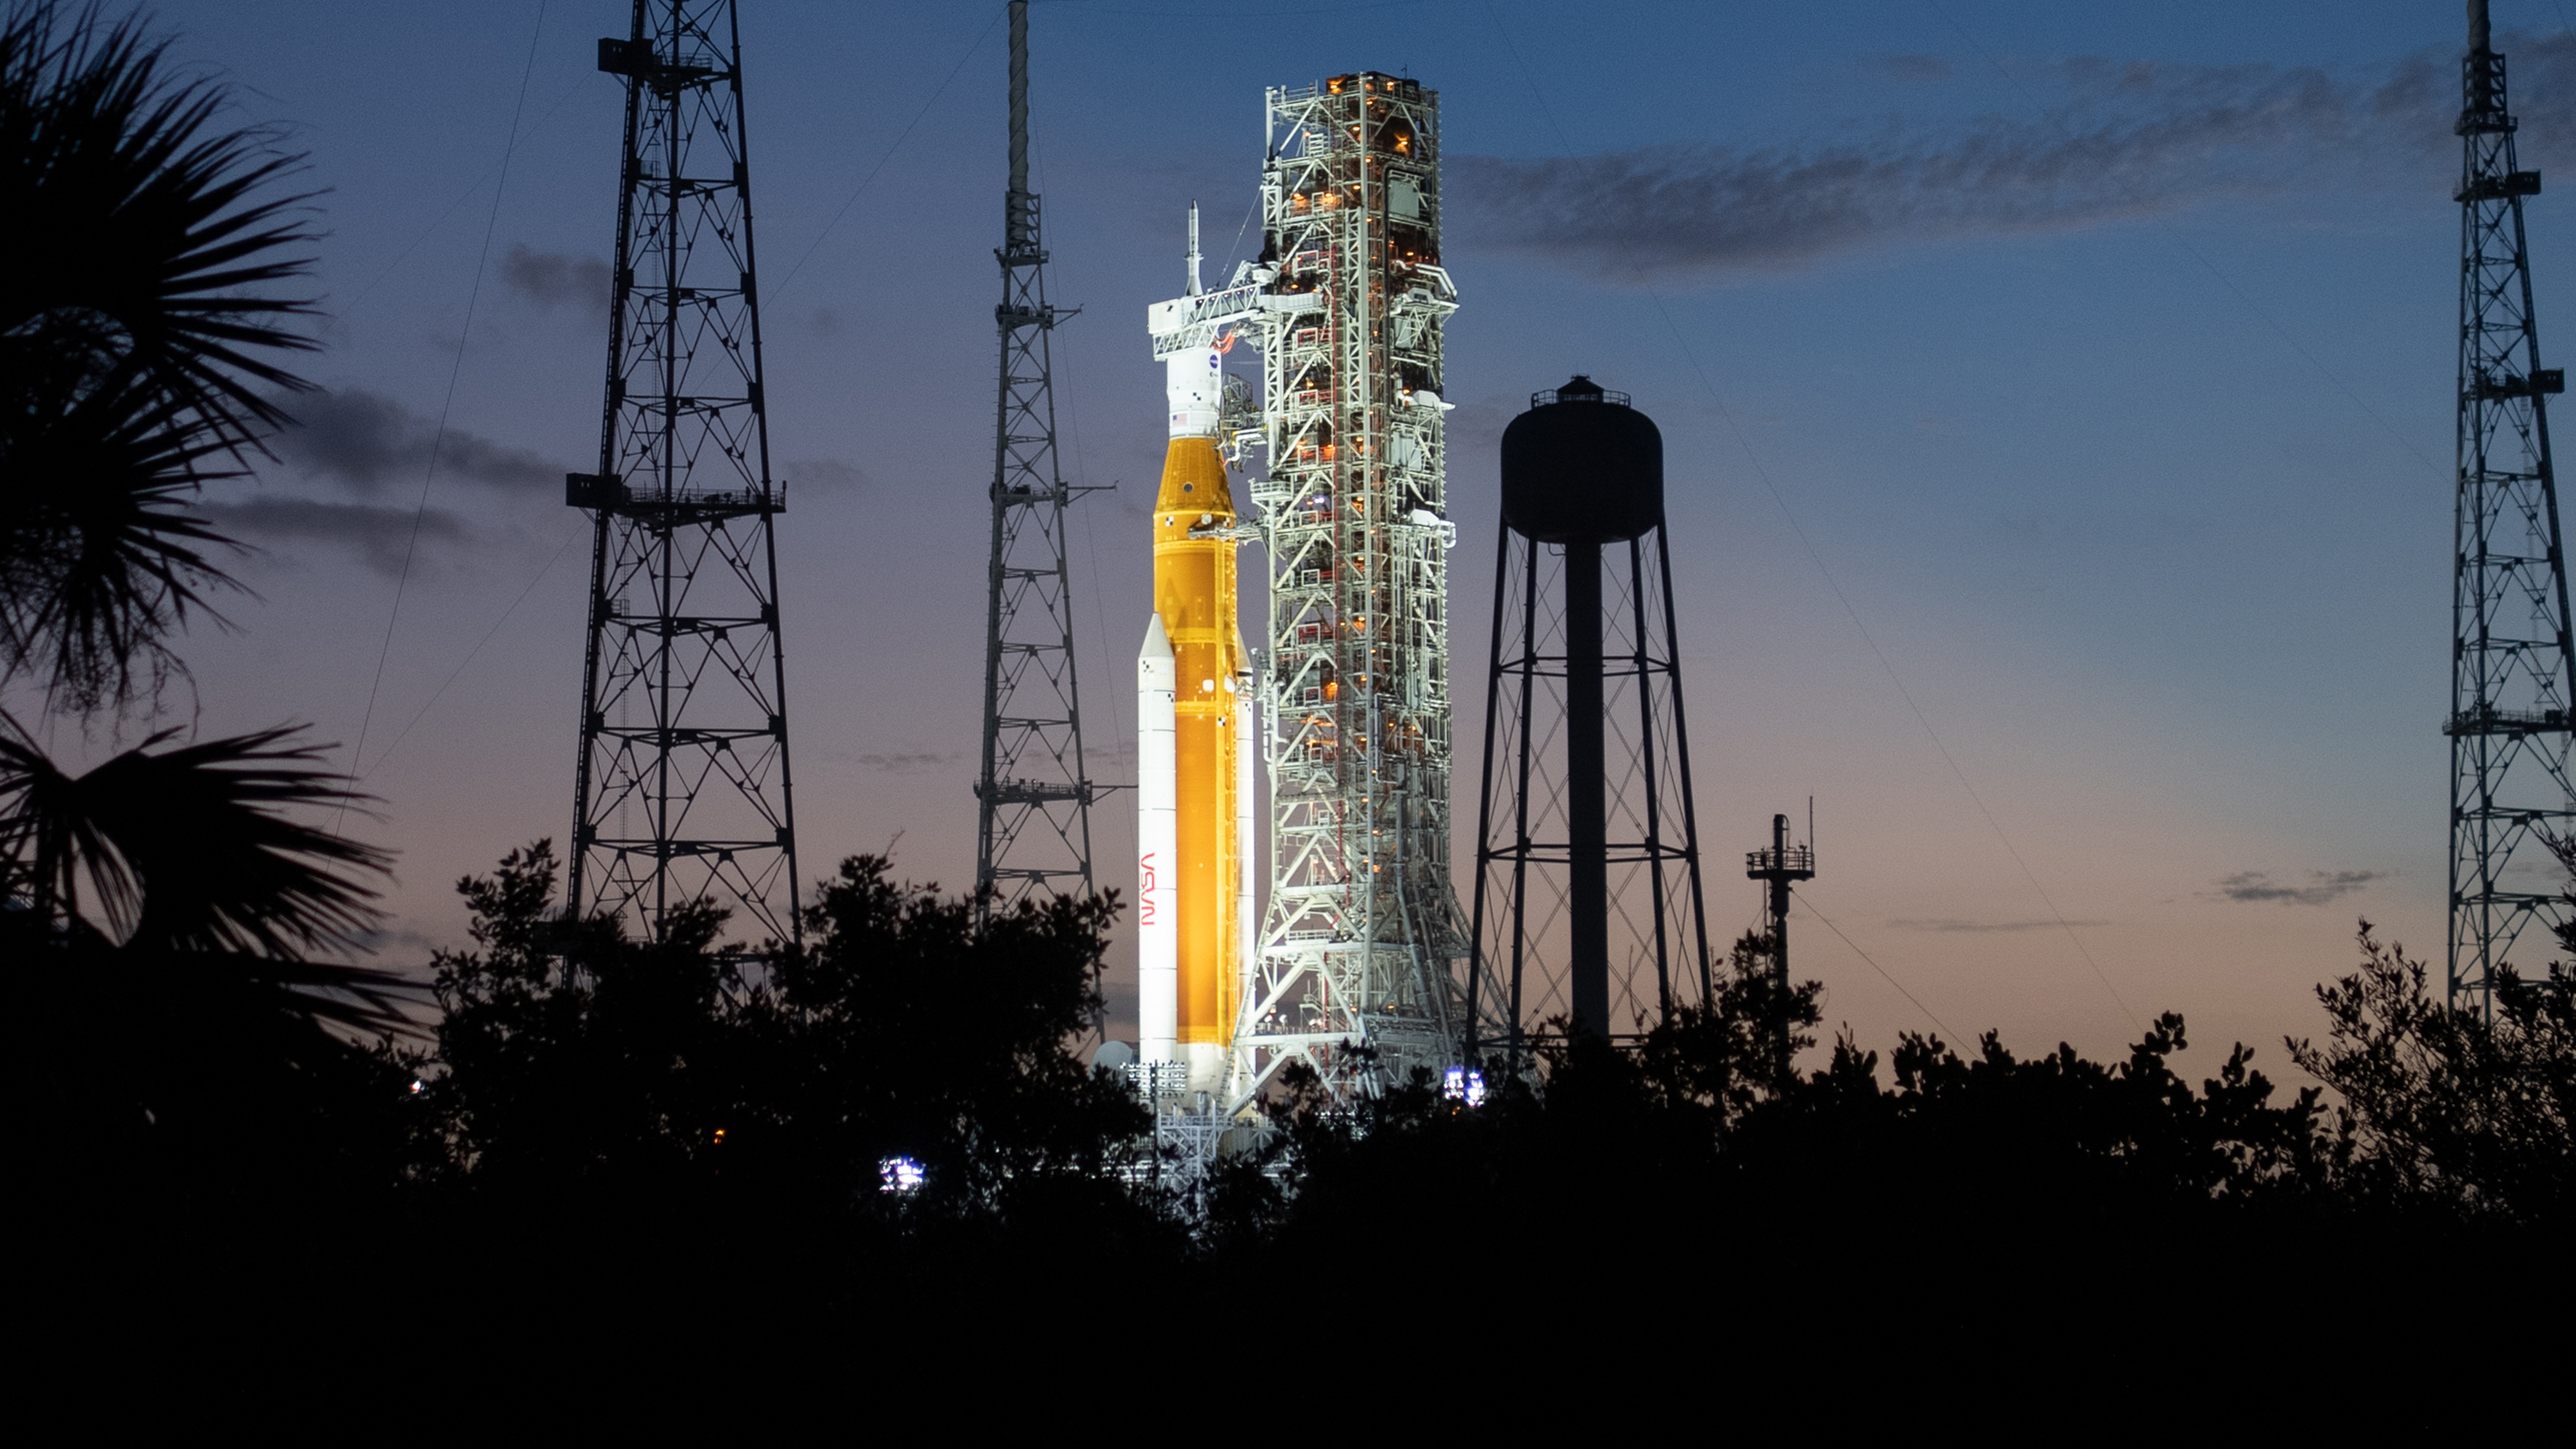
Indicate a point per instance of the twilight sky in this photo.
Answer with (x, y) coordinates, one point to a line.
(2056, 402)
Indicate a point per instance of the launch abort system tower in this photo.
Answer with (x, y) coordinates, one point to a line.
(2511, 669)
(682, 786)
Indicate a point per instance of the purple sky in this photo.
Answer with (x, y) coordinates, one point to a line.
(2081, 372)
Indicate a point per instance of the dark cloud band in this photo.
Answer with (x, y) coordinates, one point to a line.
(382, 536)
(2323, 886)
(554, 279)
(362, 440)
(355, 442)
(2120, 141)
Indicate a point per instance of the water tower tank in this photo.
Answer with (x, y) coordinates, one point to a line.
(1581, 466)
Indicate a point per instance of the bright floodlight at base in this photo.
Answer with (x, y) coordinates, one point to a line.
(899, 1175)
(1463, 1084)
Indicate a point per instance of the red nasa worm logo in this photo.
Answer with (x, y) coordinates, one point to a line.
(1145, 889)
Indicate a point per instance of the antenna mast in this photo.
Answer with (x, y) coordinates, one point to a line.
(1033, 800)
(1780, 867)
(2511, 677)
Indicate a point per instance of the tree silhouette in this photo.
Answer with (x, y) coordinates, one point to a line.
(135, 347)
(655, 1089)
(933, 1040)
(181, 1035)
(136, 363)
(571, 1061)
(1688, 1159)
(2444, 1108)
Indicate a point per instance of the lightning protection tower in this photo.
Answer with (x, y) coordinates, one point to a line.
(682, 786)
(1588, 912)
(1033, 801)
(2510, 651)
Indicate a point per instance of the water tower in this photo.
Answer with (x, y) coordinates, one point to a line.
(1588, 915)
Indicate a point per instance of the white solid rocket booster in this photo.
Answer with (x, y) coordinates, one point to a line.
(1247, 919)
(1157, 847)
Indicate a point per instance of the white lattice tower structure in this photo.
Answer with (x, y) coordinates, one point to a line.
(1361, 928)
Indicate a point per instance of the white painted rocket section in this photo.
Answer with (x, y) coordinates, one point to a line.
(1158, 945)
(1208, 1062)
(1247, 844)
(1194, 390)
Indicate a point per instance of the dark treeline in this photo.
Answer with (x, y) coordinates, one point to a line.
(218, 1126)
(597, 1131)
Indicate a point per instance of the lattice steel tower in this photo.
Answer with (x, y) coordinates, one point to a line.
(1033, 801)
(2511, 677)
(682, 786)
(1362, 929)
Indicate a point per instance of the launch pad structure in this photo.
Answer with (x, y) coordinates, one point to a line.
(1353, 972)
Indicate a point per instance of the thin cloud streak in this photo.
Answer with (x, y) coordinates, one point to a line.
(1954, 926)
(905, 762)
(1913, 67)
(828, 475)
(2127, 141)
(2256, 886)
(380, 535)
(363, 440)
(553, 279)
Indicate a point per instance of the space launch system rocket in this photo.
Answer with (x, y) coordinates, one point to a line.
(1194, 757)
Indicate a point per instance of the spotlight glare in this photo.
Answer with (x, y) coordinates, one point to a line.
(1463, 1084)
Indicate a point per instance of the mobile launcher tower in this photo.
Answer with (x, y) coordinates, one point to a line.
(1351, 970)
